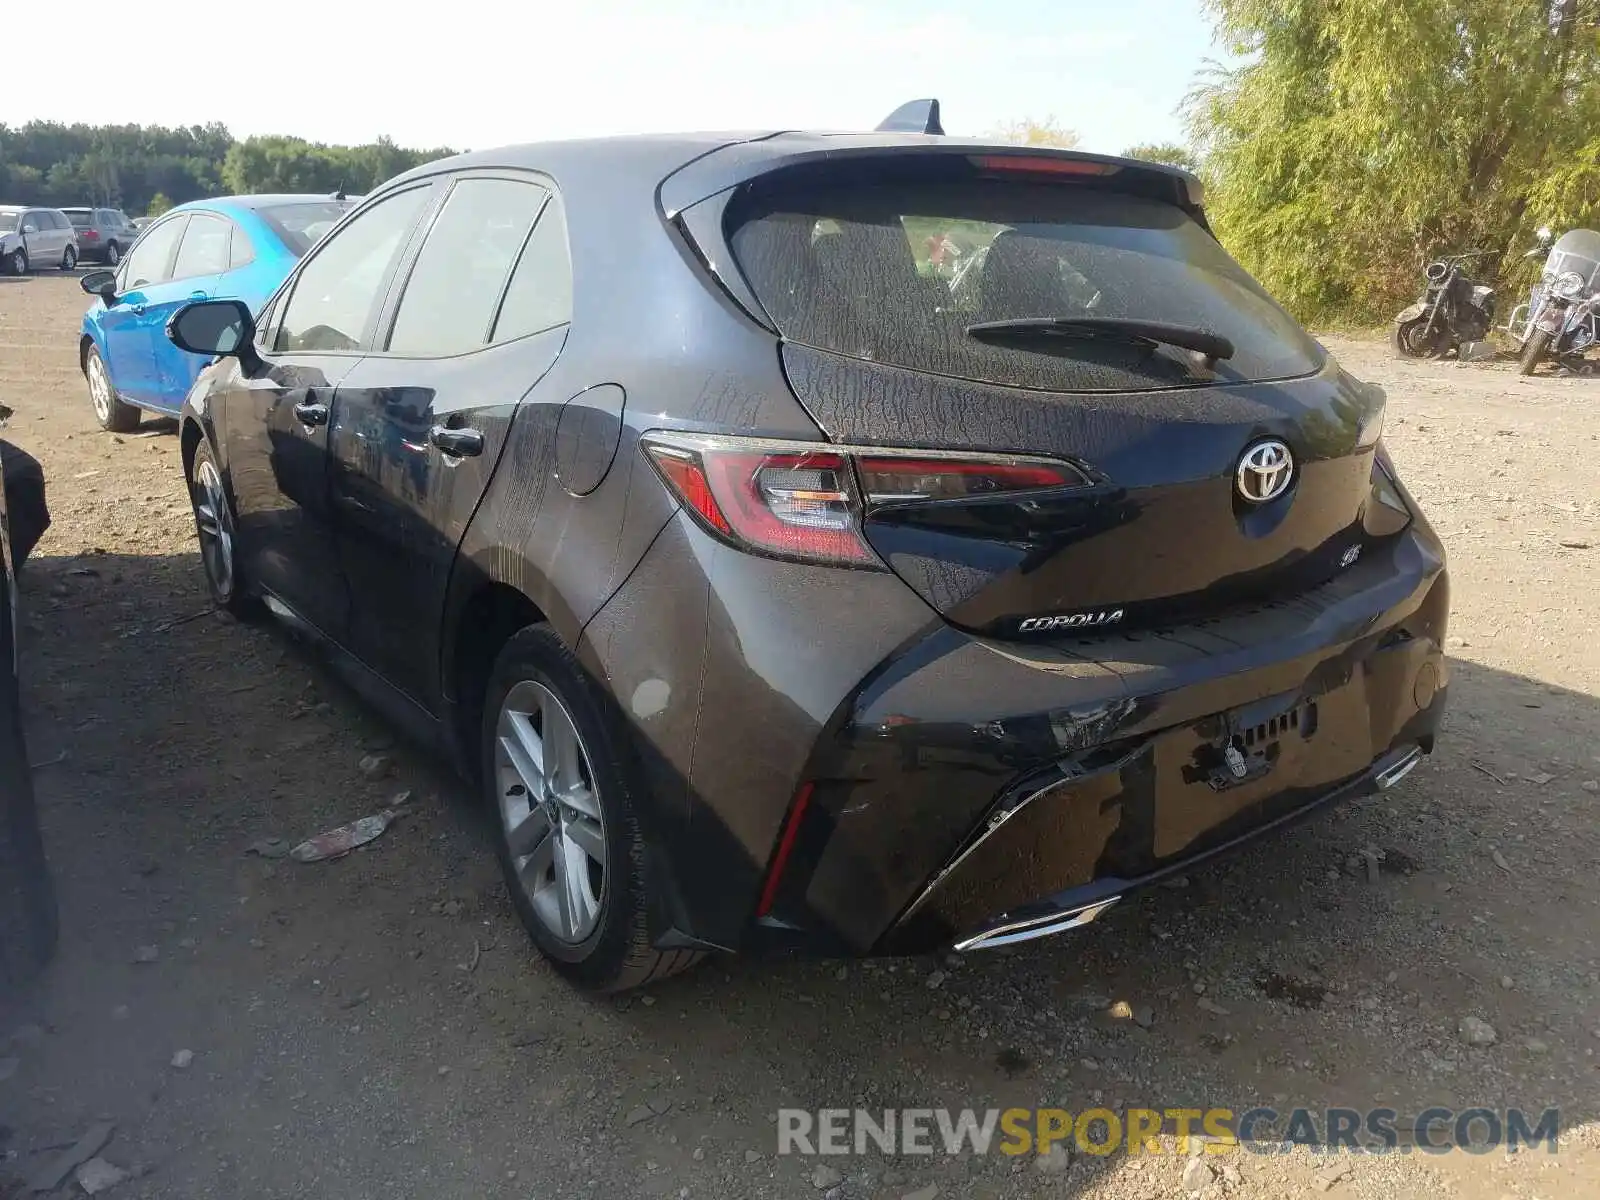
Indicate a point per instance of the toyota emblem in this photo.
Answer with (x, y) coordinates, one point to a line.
(1265, 471)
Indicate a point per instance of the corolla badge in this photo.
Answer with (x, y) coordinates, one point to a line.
(1265, 471)
(1082, 620)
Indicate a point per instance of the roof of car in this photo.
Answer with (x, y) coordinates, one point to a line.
(254, 203)
(651, 158)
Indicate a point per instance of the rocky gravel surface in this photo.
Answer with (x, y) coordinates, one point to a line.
(249, 1025)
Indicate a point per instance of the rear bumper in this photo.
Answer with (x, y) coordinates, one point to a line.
(1077, 907)
(961, 785)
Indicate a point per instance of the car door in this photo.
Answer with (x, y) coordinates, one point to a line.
(54, 227)
(129, 326)
(419, 423)
(275, 416)
(35, 238)
(201, 259)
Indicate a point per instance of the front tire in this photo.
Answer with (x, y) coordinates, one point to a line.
(69, 258)
(216, 528)
(1532, 351)
(17, 262)
(562, 785)
(111, 412)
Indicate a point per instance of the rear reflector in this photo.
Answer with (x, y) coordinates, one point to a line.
(688, 479)
(1039, 164)
(806, 502)
(791, 830)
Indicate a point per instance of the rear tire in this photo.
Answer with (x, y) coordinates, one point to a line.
(69, 259)
(1409, 344)
(113, 254)
(1532, 351)
(539, 698)
(111, 412)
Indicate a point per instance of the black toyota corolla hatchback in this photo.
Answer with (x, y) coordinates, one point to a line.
(851, 543)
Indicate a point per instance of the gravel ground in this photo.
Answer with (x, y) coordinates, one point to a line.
(377, 1027)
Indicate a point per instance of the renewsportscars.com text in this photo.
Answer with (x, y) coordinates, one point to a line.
(1100, 1131)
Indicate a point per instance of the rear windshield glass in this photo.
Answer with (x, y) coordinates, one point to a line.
(8, 222)
(79, 217)
(299, 226)
(897, 273)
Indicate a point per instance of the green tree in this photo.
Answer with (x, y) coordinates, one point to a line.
(159, 203)
(1170, 153)
(1030, 132)
(1356, 138)
(131, 166)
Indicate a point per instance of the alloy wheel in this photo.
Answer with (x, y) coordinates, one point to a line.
(19, 263)
(550, 811)
(113, 255)
(69, 260)
(214, 520)
(99, 389)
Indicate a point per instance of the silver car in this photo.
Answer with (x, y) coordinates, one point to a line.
(35, 238)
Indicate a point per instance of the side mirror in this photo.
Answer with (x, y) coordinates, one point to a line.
(30, 228)
(213, 328)
(102, 284)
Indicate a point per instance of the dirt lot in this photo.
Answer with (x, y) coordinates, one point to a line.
(377, 1027)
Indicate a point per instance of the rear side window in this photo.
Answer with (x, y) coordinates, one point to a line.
(205, 248)
(540, 294)
(450, 298)
(897, 273)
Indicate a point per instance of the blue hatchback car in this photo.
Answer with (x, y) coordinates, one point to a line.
(235, 247)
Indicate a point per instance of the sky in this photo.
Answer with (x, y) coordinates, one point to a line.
(472, 74)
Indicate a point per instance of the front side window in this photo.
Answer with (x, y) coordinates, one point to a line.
(540, 294)
(150, 261)
(205, 248)
(335, 293)
(450, 298)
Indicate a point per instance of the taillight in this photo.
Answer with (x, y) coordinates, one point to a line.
(803, 501)
(781, 498)
(888, 479)
(88, 235)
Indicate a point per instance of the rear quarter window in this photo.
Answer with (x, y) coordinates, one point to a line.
(897, 273)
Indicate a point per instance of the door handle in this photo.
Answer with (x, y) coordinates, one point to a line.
(311, 412)
(463, 443)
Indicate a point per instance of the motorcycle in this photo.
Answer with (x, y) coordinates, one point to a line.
(1561, 318)
(1452, 311)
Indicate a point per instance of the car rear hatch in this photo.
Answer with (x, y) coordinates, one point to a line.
(1007, 310)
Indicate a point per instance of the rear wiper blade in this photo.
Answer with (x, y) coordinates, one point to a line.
(1213, 345)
